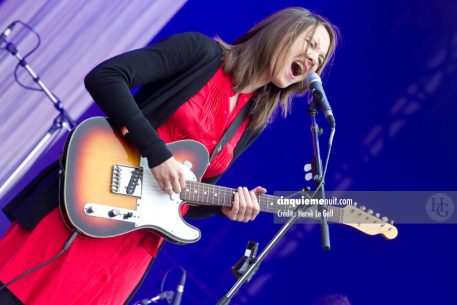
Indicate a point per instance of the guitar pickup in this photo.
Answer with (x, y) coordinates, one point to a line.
(127, 180)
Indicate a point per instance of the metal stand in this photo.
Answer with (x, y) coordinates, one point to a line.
(63, 120)
(318, 178)
(256, 262)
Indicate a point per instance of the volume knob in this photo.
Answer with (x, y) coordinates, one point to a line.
(114, 213)
(90, 209)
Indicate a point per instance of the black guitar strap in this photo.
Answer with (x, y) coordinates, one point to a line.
(228, 135)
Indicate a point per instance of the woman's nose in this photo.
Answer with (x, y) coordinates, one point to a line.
(312, 59)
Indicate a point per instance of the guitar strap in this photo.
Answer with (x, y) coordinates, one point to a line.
(228, 135)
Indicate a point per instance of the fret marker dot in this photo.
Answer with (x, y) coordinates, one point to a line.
(215, 194)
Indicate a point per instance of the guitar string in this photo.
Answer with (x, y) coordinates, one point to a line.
(263, 199)
(226, 193)
(197, 194)
(199, 186)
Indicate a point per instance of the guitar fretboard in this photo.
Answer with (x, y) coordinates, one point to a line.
(214, 195)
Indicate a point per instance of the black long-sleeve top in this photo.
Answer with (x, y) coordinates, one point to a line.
(170, 72)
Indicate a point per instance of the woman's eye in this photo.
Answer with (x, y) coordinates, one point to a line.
(312, 43)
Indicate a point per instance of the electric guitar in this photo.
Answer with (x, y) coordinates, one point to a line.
(107, 189)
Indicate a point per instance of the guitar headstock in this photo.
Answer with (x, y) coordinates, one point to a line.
(365, 220)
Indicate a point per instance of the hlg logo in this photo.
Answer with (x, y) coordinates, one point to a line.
(440, 207)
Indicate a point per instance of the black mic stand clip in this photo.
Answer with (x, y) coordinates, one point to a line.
(246, 261)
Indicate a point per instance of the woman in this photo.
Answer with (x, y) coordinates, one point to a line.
(192, 88)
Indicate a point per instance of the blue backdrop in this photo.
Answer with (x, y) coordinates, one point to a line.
(392, 87)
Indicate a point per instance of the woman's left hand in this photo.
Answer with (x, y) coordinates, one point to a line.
(245, 206)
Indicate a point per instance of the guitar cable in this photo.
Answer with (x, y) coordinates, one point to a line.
(65, 248)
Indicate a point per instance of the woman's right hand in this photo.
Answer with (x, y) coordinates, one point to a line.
(170, 176)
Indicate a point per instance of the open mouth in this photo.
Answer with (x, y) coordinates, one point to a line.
(297, 68)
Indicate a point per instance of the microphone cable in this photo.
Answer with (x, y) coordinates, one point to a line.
(66, 246)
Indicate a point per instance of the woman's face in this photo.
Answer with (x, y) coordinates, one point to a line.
(306, 54)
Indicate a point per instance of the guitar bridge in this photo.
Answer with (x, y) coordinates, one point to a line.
(127, 180)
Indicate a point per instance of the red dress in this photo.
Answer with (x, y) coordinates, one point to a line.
(106, 271)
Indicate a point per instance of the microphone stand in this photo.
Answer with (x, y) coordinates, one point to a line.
(256, 262)
(63, 120)
(318, 177)
(320, 191)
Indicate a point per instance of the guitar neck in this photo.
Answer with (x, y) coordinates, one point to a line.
(214, 195)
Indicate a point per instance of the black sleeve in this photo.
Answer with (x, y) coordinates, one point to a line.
(110, 82)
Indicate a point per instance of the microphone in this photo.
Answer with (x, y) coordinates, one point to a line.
(179, 289)
(314, 83)
(7, 32)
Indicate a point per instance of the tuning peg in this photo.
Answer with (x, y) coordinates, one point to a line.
(385, 219)
(355, 203)
(362, 207)
(370, 211)
(308, 176)
(377, 215)
(307, 167)
(392, 222)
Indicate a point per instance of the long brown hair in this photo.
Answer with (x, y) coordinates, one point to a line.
(264, 48)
